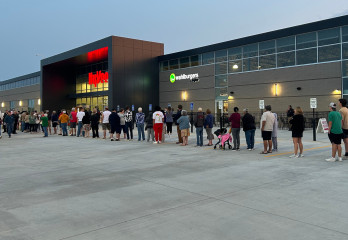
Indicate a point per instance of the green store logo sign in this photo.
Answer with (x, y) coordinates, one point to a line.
(172, 78)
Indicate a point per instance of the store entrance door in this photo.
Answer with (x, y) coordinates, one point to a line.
(91, 102)
(221, 112)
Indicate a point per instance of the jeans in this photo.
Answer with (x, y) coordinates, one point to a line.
(275, 143)
(236, 137)
(95, 130)
(64, 128)
(199, 134)
(22, 126)
(9, 129)
(45, 131)
(250, 138)
(79, 127)
(150, 133)
(129, 128)
(141, 133)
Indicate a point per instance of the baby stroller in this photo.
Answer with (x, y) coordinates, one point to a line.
(223, 139)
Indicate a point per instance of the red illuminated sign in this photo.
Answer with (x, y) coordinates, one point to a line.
(97, 55)
(97, 78)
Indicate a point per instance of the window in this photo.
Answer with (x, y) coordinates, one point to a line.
(345, 34)
(184, 62)
(345, 51)
(286, 59)
(208, 58)
(221, 93)
(174, 64)
(345, 85)
(250, 50)
(164, 66)
(267, 47)
(268, 61)
(235, 66)
(345, 68)
(329, 36)
(221, 81)
(221, 56)
(286, 44)
(250, 64)
(195, 60)
(307, 40)
(306, 56)
(329, 53)
(234, 53)
(12, 104)
(220, 68)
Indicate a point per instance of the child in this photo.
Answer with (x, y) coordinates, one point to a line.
(275, 133)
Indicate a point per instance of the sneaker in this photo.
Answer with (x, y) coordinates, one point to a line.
(112, 139)
(301, 155)
(234, 149)
(238, 149)
(331, 159)
(250, 149)
(339, 159)
(293, 156)
(159, 142)
(154, 142)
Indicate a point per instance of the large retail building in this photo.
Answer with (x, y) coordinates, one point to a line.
(282, 67)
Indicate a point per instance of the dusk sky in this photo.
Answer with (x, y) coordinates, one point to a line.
(32, 30)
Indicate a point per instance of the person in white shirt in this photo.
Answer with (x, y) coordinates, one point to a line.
(79, 116)
(158, 119)
(105, 121)
(266, 125)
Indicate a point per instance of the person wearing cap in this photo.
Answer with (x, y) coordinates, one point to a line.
(267, 122)
(298, 125)
(73, 122)
(44, 123)
(64, 119)
(335, 133)
(249, 129)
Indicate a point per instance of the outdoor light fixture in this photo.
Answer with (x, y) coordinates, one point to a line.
(39, 101)
(336, 91)
(184, 95)
(2, 104)
(299, 88)
(235, 66)
(230, 97)
(20, 103)
(276, 89)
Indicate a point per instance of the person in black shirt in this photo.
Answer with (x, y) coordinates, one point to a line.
(298, 126)
(249, 129)
(95, 117)
(290, 113)
(176, 117)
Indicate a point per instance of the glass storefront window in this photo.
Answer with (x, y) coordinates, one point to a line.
(221, 81)
(345, 50)
(329, 53)
(221, 93)
(250, 64)
(306, 56)
(164, 66)
(329, 36)
(345, 68)
(174, 64)
(234, 53)
(286, 59)
(286, 44)
(235, 66)
(345, 85)
(345, 34)
(184, 62)
(220, 56)
(307, 40)
(250, 50)
(208, 58)
(220, 68)
(195, 60)
(268, 61)
(267, 47)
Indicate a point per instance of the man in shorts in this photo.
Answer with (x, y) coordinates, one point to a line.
(335, 133)
(267, 122)
(80, 116)
(73, 122)
(105, 121)
(344, 114)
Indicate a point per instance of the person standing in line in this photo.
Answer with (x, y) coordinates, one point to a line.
(86, 120)
(23, 114)
(140, 119)
(16, 120)
(73, 122)
(80, 116)
(176, 117)
(158, 119)
(0, 123)
(9, 120)
(344, 114)
(275, 133)
(235, 125)
(54, 119)
(335, 133)
(290, 113)
(298, 125)
(105, 121)
(128, 117)
(199, 124)
(4, 124)
(26, 120)
(267, 122)
(64, 119)
(122, 122)
(169, 121)
(115, 127)
(249, 129)
(184, 125)
(149, 127)
(208, 125)
(32, 122)
(95, 123)
(164, 130)
(49, 116)
(44, 120)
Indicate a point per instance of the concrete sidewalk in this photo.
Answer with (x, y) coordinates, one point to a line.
(80, 189)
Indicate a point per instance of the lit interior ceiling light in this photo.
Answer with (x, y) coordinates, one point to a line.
(235, 66)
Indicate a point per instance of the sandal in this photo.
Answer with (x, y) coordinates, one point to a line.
(269, 151)
(263, 152)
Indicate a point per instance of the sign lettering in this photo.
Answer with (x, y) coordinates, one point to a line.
(97, 78)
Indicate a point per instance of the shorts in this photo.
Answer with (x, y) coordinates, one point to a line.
(55, 124)
(106, 126)
(210, 135)
(267, 135)
(335, 138)
(124, 129)
(72, 124)
(87, 127)
(345, 133)
(297, 134)
(185, 132)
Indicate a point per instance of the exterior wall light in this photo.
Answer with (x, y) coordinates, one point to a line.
(39, 101)
(336, 91)
(184, 96)
(20, 103)
(2, 104)
(235, 66)
(230, 97)
(276, 89)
